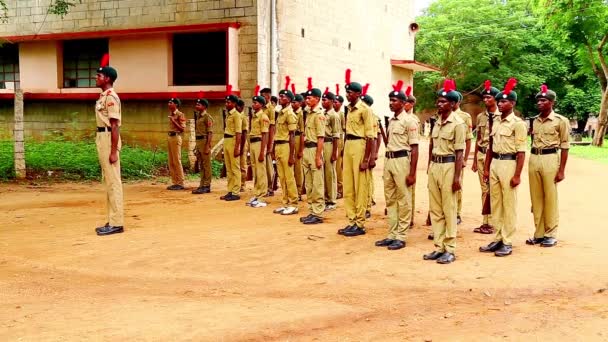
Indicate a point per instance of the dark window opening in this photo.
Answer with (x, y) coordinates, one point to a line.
(200, 59)
(81, 59)
(9, 66)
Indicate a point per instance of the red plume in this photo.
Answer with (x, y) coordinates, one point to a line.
(449, 85)
(200, 94)
(229, 89)
(365, 87)
(105, 60)
(326, 91)
(309, 83)
(453, 84)
(337, 89)
(347, 76)
(511, 83)
(487, 85)
(293, 88)
(408, 91)
(256, 91)
(398, 86)
(544, 89)
(287, 82)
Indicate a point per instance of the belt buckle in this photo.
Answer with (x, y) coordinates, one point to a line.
(390, 154)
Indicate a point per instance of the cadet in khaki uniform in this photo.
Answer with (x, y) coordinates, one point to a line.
(284, 152)
(399, 170)
(481, 146)
(232, 148)
(240, 107)
(503, 170)
(358, 150)
(330, 149)
(177, 125)
(204, 135)
(270, 112)
(314, 135)
(339, 163)
(107, 140)
(409, 111)
(258, 141)
(376, 131)
(298, 171)
(546, 167)
(445, 159)
(466, 117)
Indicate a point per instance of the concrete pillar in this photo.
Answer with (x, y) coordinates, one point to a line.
(19, 152)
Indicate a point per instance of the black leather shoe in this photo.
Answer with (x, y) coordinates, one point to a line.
(355, 231)
(199, 190)
(224, 196)
(504, 250)
(368, 214)
(492, 247)
(303, 218)
(431, 236)
(232, 197)
(397, 244)
(549, 242)
(446, 258)
(428, 220)
(313, 220)
(206, 189)
(105, 225)
(108, 230)
(534, 241)
(458, 220)
(341, 231)
(384, 243)
(434, 255)
(175, 187)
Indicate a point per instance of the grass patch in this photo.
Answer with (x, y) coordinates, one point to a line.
(591, 152)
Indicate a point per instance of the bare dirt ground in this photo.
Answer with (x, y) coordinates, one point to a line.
(196, 268)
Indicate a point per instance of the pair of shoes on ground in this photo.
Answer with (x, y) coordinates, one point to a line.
(202, 190)
(311, 219)
(498, 248)
(484, 229)
(390, 244)
(109, 230)
(330, 206)
(440, 257)
(175, 187)
(255, 202)
(286, 210)
(352, 230)
(543, 242)
(230, 197)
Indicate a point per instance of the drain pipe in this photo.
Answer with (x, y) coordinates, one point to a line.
(274, 47)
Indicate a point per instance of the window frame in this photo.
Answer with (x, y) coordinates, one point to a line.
(78, 68)
(226, 59)
(15, 73)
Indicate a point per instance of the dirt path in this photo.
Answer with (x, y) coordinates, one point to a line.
(196, 268)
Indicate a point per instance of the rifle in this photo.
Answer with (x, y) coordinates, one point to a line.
(223, 172)
(197, 163)
(531, 129)
(383, 133)
(275, 177)
(249, 169)
(487, 206)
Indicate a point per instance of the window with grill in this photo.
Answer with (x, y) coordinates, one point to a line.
(9, 66)
(81, 59)
(200, 58)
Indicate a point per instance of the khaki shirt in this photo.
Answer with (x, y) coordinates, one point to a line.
(332, 124)
(466, 117)
(403, 132)
(180, 118)
(285, 122)
(270, 113)
(342, 122)
(448, 136)
(259, 124)
(315, 124)
(245, 121)
(509, 135)
(554, 131)
(300, 117)
(375, 123)
(234, 122)
(483, 126)
(204, 122)
(107, 107)
(360, 121)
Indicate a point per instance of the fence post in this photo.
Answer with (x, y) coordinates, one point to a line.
(19, 151)
(192, 145)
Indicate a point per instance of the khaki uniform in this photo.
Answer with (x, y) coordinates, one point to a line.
(403, 131)
(106, 108)
(259, 125)
(332, 131)
(174, 141)
(298, 172)
(313, 176)
(204, 125)
(483, 125)
(286, 122)
(553, 132)
(508, 137)
(370, 180)
(359, 128)
(415, 118)
(243, 156)
(339, 162)
(466, 117)
(234, 125)
(269, 110)
(448, 137)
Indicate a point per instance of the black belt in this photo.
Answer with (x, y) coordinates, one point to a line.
(104, 129)
(255, 139)
(544, 151)
(329, 139)
(506, 156)
(482, 149)
(297, 134)
(310, 144)
(228, 135)
(172, 134)
(201, 137)
(280, 142)
(353, 137)
(443, 159)
(396, 154)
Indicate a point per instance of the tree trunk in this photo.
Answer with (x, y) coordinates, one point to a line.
(598, 139)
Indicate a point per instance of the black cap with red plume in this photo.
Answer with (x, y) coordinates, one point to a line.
(106, 69)
(328, 94)
(286, 92)
(508, 93)
(546, 93)
(351, 86)
(365, 97)
(488, 89)
(201, 99)
(397, 91)
(257, 97)
(449, 91)
(229, 96)
(312, 91)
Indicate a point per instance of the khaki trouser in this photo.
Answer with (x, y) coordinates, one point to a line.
(442, 202)
(313, 180)
(329, 170)
(370, 190)
(175, 159)
(204, 161)
(503, 199)
(413, 202)
(459, 195)
(243, 163)
(259, 171)
(298, 172)
(339, 165)
(398, 197)
(269, 171)
(356, 183)
(233, 170)
(110, 174)
(543, 193)
(288, 182)
(485, 187)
